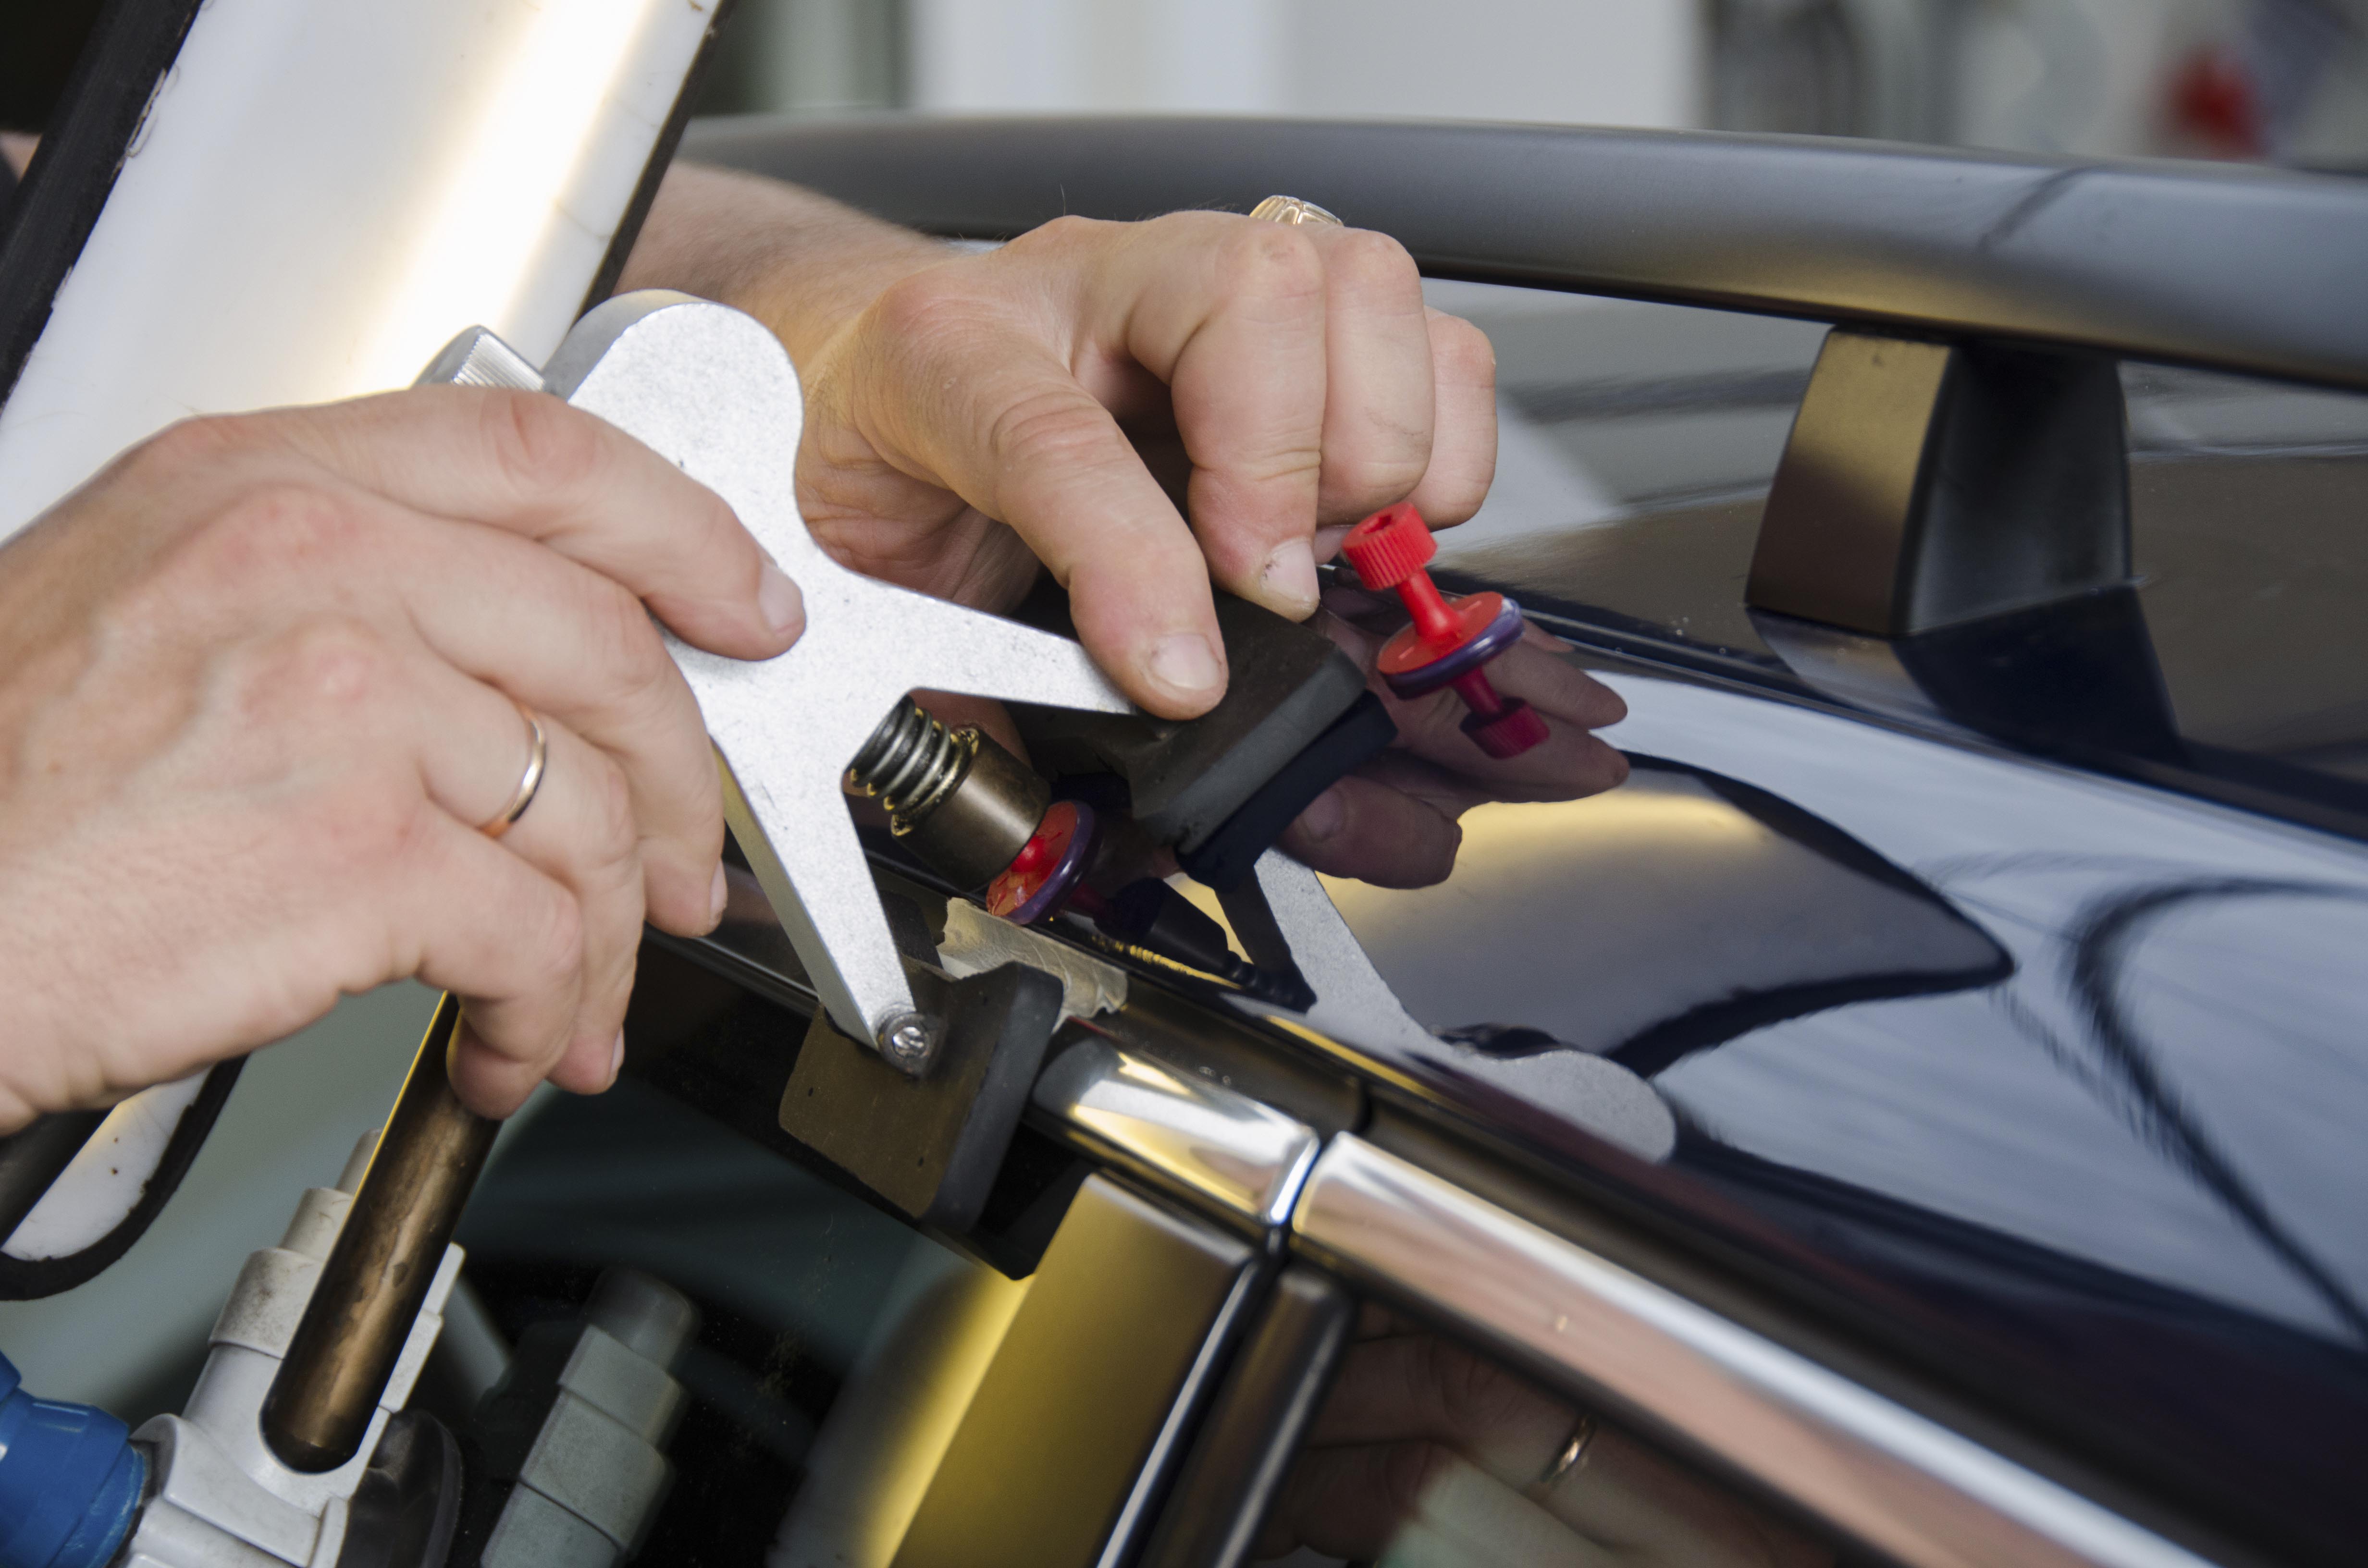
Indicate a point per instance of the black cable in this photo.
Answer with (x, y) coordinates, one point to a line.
(131, 46)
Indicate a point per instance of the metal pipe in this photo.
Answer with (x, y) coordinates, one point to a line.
(385, 1257)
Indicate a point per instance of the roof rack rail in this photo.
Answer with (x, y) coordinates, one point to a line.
(2252, 270)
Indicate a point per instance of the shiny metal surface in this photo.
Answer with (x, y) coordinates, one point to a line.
(319, 193)
(376, 1277)
(713, 389)
(1292, 210)
(1181, 1129)
(973, 835)
(1079, 1420)
(1903, 1483)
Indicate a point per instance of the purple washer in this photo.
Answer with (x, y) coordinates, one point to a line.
(1055, 890)
(1500, 634)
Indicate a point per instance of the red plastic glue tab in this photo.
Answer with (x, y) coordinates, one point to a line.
(1451, 640)
(1410, 658)
(1048, 868)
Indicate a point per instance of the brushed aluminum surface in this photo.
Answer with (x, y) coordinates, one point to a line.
(714, 390)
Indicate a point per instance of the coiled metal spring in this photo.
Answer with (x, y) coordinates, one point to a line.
(911, 763)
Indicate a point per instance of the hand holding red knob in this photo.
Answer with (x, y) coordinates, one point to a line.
(1451, 640)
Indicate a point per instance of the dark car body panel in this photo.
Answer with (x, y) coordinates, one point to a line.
(2120, 1191)
(2117, 1190)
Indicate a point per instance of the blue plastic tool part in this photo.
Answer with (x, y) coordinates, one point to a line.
(70, 1480)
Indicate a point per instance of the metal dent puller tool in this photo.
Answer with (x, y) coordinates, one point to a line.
(713, 389)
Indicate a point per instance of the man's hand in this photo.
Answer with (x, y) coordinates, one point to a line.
(969, 415)
(1074, 396)
(260, 693)
(1425, 1452)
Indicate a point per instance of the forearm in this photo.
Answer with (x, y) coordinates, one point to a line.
(16, 147)
(802, 262)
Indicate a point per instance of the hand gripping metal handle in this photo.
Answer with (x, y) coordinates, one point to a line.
(713, 389)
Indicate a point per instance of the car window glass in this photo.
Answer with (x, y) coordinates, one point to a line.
(1427, 1452)
(1638, 441)
(835, 1346)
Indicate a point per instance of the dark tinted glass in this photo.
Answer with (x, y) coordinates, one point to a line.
(835, 1351)
(1638, 445)
(1427, 1454)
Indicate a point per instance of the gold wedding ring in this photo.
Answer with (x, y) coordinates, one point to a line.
(538, 751)
(1292, 210)
(1568, 1458)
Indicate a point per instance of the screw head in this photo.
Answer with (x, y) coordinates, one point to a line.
(907, 1040)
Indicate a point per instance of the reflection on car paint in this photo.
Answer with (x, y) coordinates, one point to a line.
(1711, 908)
(2066, 1169)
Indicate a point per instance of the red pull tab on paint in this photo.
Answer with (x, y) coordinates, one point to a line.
(1451, 640)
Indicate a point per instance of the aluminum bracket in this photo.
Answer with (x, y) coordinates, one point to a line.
(714, 390)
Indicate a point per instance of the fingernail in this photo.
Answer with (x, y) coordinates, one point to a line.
(1324, 815)
(717, 892)
(1187, 665)
(784, 607)
(1289, 579)
(617, 1058)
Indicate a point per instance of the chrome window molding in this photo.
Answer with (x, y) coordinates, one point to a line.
(1181, 1130)
(1894, 1479)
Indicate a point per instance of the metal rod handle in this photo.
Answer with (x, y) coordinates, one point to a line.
(378, 1273)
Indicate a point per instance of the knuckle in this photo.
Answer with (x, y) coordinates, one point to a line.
(1286, 462)
(540, 443)
(1463, 350)
(1377, 264)
(552, 944)
(615, 829)
(365, 830)
(248, 549)
(1269, 261)
(326, 668)
(289, 524)
(921, 309)
(1387, 470)
(1067, 232)
(1051, 429)
(630, 657)
(196, 442)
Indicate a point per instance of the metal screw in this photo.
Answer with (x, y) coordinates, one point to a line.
(907, 1040)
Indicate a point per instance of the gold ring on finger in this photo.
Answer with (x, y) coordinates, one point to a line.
(538, 751)
(1567, 1458)
(1292, 210)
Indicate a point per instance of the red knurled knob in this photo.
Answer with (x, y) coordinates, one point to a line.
(1389, 546)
